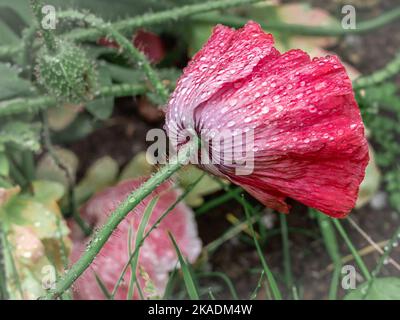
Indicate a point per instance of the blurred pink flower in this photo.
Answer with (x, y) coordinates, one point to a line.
(157, 255)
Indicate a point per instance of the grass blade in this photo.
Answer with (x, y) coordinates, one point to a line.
(102, 286)
(353, 250)
(286, 252)
(156, 224)
(270, 277)
(187, 276)
(138, 244)
(224, 278)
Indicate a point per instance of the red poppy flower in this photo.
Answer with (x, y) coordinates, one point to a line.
(309, 141)
(157, 255)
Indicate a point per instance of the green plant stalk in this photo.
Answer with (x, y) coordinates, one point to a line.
(353, 250)
(391, 69)
(71, 190)
(387, 250)
(218, 201)
(224, 278)
(35, 104)
(298, 29)
(28, 165)
(142, 61)
(126, 45)
(3, 276)
(128, 25)
(270, 277)
(187, 277)
(8, 257)
(154, 226)
(331, 245)
(139, 236)
(286, 251)
(48, 36)
(101, 237)
(31, 105)
(258, 287)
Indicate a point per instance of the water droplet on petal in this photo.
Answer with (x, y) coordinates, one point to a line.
(230, 124)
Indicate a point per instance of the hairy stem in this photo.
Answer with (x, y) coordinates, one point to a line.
(109, 31)
(390, 70)
(298, 29)
(48, 36)
(128, 25)
(100, 238)
(30, 105)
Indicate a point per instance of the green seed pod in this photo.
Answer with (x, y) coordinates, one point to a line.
(67, 73)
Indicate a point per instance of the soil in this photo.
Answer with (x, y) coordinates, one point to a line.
(238, 259)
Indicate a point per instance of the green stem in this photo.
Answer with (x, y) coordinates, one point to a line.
(270, 277)
(382, 260)
(286, 251)
(108, 30)
(353, 250)
(100, 238)
(31, 105)
(128, 25)
(331, 245)
(3, 276)
(48, 36)
(298, 29)
(71, 183)
(390, 70)
(153, 227)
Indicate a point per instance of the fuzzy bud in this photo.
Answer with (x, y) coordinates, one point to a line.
(67, 73)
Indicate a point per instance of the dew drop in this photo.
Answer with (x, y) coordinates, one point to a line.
(233, 102)
(230, 124)
(264, 110)
(312, 108)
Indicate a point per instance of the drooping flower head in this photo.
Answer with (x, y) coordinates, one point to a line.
(157, 255)
(308, 138)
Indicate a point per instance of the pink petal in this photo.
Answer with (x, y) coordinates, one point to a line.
(157, 255)
(227, 56)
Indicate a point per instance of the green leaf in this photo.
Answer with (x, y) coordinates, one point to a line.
(8, 36)
(137, 167)
(381, 289)
(23, 135)
(11, 84)
(100, 175)
(4, 165)
(16, 14)
(102, 107)
(47, 169)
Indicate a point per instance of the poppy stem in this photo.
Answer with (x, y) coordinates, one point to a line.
(304, 30)
(390, 70)
(100, 237)
(31, 105)
(128, 25)
(48, 36)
